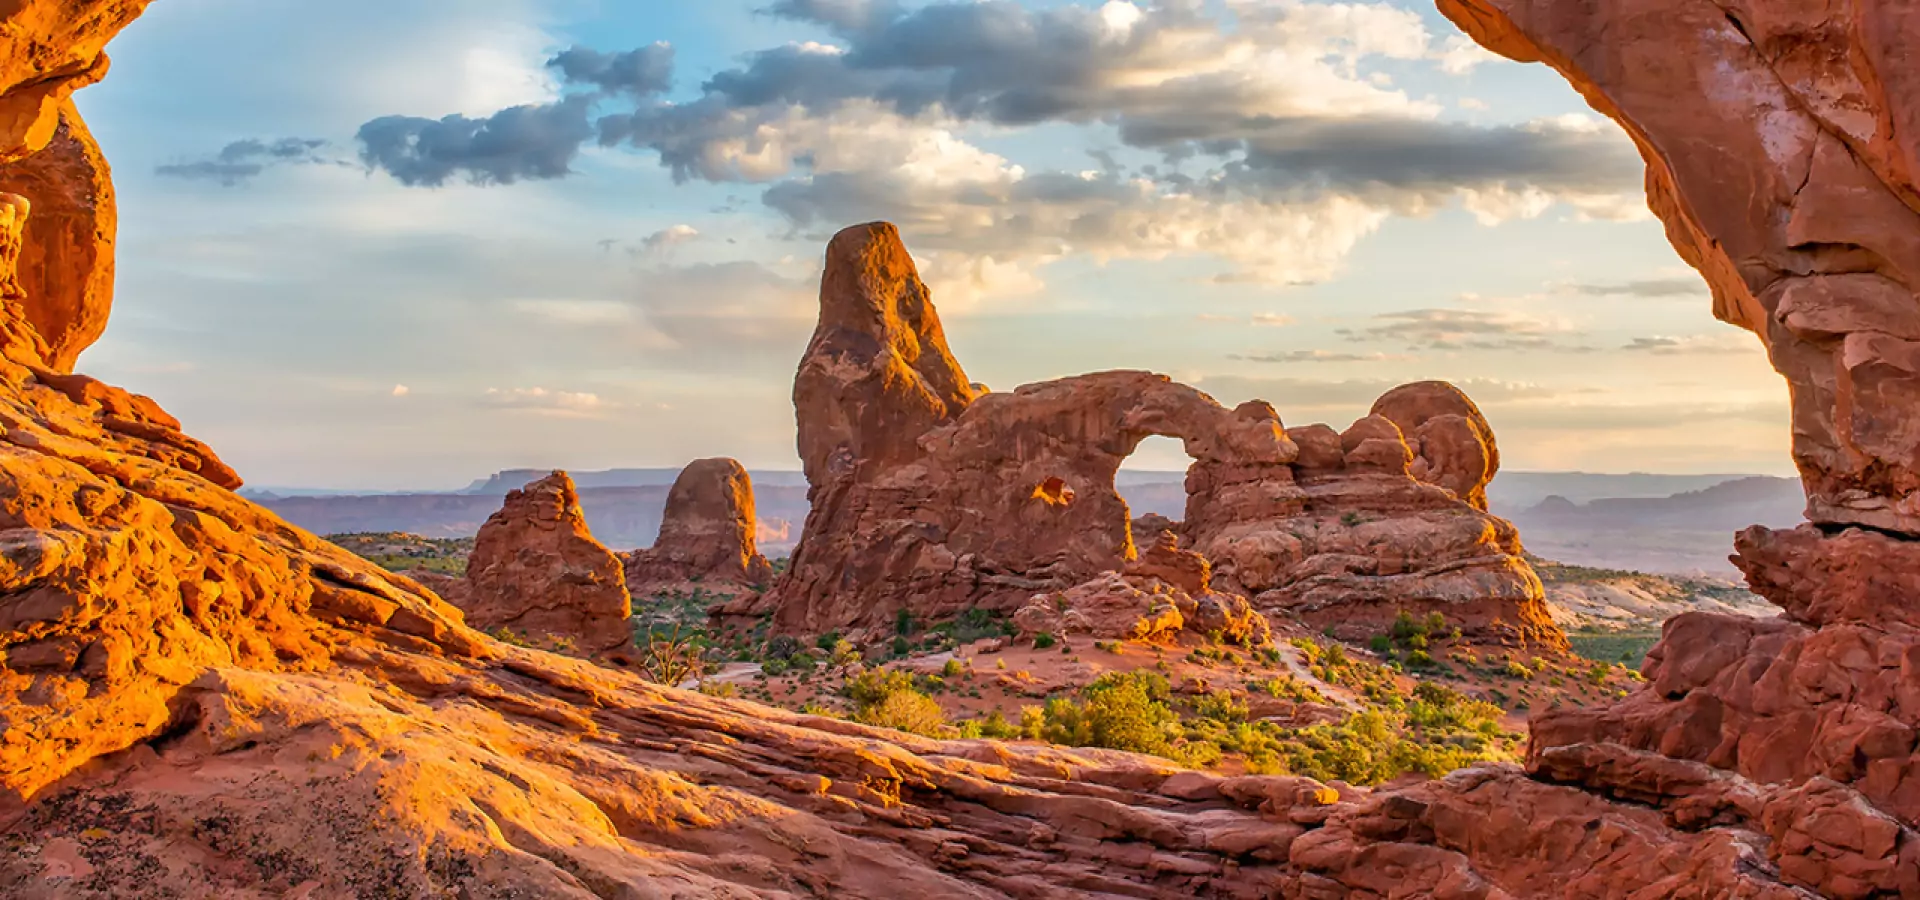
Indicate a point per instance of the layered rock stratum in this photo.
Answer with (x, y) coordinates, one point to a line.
(707, 535)
(199, 700)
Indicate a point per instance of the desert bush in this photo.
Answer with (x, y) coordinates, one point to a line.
(669, 658)
(1042, 641)
(1119, 711)
(1221, 706)
(843, 654)
(889, 699)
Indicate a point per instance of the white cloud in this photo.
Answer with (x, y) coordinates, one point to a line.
(1458, 55)
(542, 401)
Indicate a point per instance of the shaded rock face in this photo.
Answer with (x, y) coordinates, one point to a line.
(66, 270)
(536, 570)
(1014, 494)
(1781, 142)
(1014, 497)
(1346, 538)
(706, 536)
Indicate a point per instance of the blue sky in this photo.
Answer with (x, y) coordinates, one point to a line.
(1303, 202)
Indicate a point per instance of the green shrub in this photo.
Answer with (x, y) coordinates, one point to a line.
(826, 641)
(1042, 641)
(1221, 706)
(1119, 711)
(902, 646)
(1381, 644)
(903, 624)
(889, 699)
(909, 711)
(996, 726)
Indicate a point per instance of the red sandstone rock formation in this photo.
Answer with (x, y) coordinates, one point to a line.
(1781, 142)
(1346, 538)
(1013, 494)
(199, 700)
(706, 537)
(1155, 597)
(536, 571)
(51, 49)
(1452, 444)
(66, 270)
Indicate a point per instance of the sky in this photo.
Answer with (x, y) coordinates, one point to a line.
(406, 243)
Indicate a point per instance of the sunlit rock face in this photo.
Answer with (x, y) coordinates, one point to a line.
(537, 571)
(1782, 140)
(707, 535)
(1002, 496)
(66, 267)
(51, 49)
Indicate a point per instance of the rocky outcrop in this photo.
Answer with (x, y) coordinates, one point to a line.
(1347, 538)
(199, 700)
(1781, 143)
(1012, 494)
(1156, 597)
(66, 269)
(1452, 443)
(706, 537)
(1015, 496)
(51, 49)
(537, 572)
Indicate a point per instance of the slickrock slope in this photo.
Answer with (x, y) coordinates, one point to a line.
(536, 571)
(1015, 495)
(707, 535)
(66, 268)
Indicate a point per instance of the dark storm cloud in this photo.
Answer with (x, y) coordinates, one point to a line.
(521, 143)
(241, 161)
(640, 73)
